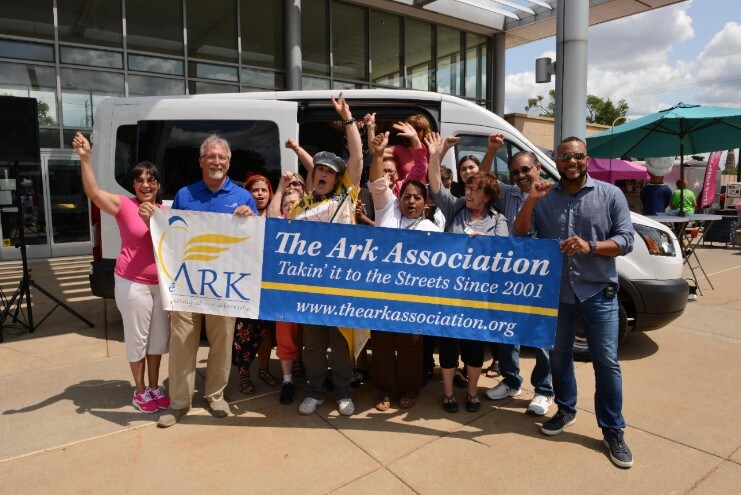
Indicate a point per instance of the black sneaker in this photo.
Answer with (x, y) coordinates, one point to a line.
(620, 454)
(557, 423)
(286, 393)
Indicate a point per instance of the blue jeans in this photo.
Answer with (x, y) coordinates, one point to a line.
(509, 366)
(599, 316)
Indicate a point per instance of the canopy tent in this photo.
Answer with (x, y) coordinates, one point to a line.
(608, 170)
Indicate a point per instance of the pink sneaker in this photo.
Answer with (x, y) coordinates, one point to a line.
(159, 397)
(144, 402)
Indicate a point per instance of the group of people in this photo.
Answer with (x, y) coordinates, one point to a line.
(408, 189)
(656, 197)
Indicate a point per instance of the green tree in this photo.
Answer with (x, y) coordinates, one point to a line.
(44, 117)
(599, 111)
(537, 104)
(605, 111)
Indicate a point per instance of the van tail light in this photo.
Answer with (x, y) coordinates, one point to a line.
(97, 245)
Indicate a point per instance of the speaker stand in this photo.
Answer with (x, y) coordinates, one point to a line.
(21, 319)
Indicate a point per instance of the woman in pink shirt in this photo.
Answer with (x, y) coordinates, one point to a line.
(146, 325)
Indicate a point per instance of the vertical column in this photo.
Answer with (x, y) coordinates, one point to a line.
(293, 45)
(572, 24)
(496, 75)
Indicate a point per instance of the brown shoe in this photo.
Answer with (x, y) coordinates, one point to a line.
(406, 401)
(383, 403)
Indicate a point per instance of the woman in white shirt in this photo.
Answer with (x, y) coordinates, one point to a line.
(397, 357)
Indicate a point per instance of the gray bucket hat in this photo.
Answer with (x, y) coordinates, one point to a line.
(330, 160)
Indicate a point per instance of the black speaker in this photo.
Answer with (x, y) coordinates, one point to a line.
(19, 129)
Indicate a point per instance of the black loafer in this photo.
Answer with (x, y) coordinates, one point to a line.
(473, 404)
(450, 404)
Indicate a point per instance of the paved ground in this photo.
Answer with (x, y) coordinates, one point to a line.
(67, 425)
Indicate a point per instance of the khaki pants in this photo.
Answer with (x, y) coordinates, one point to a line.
(184, 342)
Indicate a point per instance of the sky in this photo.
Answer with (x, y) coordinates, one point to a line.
(688, 52)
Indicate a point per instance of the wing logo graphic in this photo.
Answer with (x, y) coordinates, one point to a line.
(202, 247)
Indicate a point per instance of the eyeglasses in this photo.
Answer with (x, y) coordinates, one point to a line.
(521, 171)
(149, 180)
(215, 158)
(564, 157)
(296, 183)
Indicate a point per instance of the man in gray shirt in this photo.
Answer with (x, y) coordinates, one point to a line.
(591, 220)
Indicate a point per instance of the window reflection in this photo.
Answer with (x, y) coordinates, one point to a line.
(202, 88)
(349, 45)
(211, 71)
(262, 33)
(314, 37)
(449, 61)
(146, 31)
(212, 30)
(155, 86)
(33, 18)
(31, 81)
(87, 56)
(83, 90)
(262, 78)
(85, 21)
(418, 55)
(28, 51)
(159, 65)
(385, 32)
(69, 206)
(477, 53)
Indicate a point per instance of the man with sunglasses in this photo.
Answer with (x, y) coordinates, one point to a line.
(591, 219)
(524, 168)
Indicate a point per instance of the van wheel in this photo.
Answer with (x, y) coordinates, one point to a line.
(581, 349)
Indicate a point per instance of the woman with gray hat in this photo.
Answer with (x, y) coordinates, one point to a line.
(334, 185)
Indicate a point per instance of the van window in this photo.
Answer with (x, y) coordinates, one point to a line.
(174, 147)
(476, 145)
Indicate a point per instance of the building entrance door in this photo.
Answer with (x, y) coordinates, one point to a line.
(55, 214)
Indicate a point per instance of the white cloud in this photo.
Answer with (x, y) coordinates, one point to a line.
(630, 59)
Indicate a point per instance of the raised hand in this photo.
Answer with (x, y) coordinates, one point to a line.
(379, 143)
(81, 145)
(494, 141)
(406, 130)
(540, 188)
(292, 144)
(341, 107)
(434, 144)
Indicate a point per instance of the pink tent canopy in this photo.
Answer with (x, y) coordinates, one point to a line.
(610, 170)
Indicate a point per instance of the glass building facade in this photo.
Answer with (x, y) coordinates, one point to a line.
(72, 54)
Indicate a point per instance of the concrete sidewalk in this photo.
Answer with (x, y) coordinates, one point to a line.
(67, 424)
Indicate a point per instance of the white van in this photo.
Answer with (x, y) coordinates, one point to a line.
(169, 130)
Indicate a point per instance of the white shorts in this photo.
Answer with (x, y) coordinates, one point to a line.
(146, 325)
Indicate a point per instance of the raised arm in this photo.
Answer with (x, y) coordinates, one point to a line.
(354, 144)
(435, 146)
(377, 148)
(369, 121)
(109, 203)
(304, 157)
(274, 205)
(524, 221)
(493, 143)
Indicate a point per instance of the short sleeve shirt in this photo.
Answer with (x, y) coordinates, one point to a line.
(198, 197)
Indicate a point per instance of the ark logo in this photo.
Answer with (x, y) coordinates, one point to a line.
(192, 272)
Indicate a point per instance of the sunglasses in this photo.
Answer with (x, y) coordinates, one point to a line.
(149, 180)
(521, 171)
(564, 157)
(296, 183)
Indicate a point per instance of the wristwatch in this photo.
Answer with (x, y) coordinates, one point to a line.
(592, 246)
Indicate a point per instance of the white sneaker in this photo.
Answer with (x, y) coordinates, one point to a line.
(346, 407)
(540, 404)
(309, 405)
(501, 391)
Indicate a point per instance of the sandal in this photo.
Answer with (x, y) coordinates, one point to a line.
(449, 404)
(472, 403)
(407, 401)
(297, 369)
(266, 376)
(245, 382)
(493, 371)
(383, 403)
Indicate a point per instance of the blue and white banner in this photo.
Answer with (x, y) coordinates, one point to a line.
(496, 289)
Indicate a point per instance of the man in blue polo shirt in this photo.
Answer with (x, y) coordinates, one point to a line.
(215, 193)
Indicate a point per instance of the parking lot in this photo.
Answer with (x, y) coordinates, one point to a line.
(67, 424)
